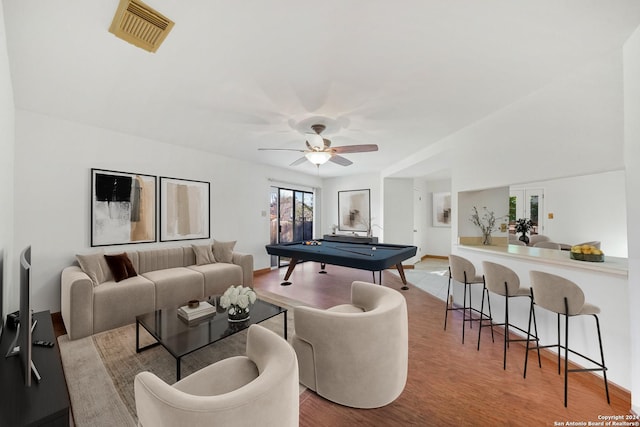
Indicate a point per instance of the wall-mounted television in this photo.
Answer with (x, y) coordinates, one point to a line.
(21, 345)
(2, 310)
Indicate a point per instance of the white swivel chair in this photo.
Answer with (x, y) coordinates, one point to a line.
(462, 271)
(260, 388)
(355, 354)
(564, 297)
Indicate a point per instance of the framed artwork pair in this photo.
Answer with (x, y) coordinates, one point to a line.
(125, 207)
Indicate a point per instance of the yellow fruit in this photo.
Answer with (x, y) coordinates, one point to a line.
(576, 249)
(596, 252)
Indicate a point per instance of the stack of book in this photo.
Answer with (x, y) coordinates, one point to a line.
(202, 311)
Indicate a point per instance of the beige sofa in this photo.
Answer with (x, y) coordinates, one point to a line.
(169, 277)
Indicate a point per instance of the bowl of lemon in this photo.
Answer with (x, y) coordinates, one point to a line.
(586, 253)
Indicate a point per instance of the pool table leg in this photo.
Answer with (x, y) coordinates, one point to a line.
(292, 265)
(322, 268)
(402, 276)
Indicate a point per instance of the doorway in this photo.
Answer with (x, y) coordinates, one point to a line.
(291, 213)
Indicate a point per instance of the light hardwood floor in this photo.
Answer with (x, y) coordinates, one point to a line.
(449, 383)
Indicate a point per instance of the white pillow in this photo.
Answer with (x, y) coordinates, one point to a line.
(223, 251)
(96, 267)
(204, 254)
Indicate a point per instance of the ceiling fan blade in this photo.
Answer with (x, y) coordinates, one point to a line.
(281, 149)
(355, 148)
(326, 142)
(299, 161)
(342, 161)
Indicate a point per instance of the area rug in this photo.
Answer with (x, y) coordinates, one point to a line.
(434, 282)
(100, 369)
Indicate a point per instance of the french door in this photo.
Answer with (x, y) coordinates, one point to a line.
(291, 213)
(528, 204)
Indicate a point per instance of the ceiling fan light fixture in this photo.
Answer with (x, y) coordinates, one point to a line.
(318, 157)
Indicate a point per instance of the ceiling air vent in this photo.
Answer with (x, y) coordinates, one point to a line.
(140, 25)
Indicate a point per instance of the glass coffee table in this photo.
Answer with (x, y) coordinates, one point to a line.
(180, 338)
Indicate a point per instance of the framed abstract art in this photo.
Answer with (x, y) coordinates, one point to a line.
(442, 209)
(184, 209)
(123, 208)
(354, 210)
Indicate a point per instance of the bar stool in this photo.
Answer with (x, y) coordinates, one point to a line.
(564, 297)
(462, 270)
(503, 281)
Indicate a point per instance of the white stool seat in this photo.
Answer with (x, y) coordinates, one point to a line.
(565, 298)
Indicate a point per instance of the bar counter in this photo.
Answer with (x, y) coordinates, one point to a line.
(604, 284)
(611, 265)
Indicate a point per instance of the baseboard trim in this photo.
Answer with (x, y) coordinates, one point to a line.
(433, 257)
(261, 271)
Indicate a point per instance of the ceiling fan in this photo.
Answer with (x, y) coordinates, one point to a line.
(319, 150)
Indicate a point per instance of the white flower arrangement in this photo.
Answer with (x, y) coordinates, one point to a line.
(238, 299)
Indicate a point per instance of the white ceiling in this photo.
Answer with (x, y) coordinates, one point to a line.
(233, 76)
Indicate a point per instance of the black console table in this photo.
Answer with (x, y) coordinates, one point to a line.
(349, 238)
(45, 403)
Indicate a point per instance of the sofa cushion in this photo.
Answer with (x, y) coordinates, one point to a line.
(223, 251)
(204, 254)
(159, 259)
(176, 286)
(118, 304)
(120, 266)
(96, 267)
(218, 277)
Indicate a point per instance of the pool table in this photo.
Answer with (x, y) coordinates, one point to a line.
(365, 256)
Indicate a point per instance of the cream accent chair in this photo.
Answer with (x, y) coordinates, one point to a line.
(259, 389)
(547, 245)
(355, 354)
(537, 238)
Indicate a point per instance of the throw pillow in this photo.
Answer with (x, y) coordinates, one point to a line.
(204, 254)
(120, 266)
(95, 266)
(223, 251)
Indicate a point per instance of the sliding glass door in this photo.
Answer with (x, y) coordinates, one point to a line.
(291, 218)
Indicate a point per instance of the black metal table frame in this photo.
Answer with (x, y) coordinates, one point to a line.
(241, 326)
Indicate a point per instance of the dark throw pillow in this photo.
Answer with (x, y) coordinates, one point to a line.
(120, 266)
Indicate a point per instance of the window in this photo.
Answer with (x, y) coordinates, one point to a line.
(291, 214)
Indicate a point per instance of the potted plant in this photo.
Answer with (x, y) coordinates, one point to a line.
(524, 226)
(487, 223)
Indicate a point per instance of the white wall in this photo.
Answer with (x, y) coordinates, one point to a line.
(585, 208)
(572, 127)
(329, 200)
(7, 142)
(632, 168)
(398, 212)
(52, 192)
(430, 240)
